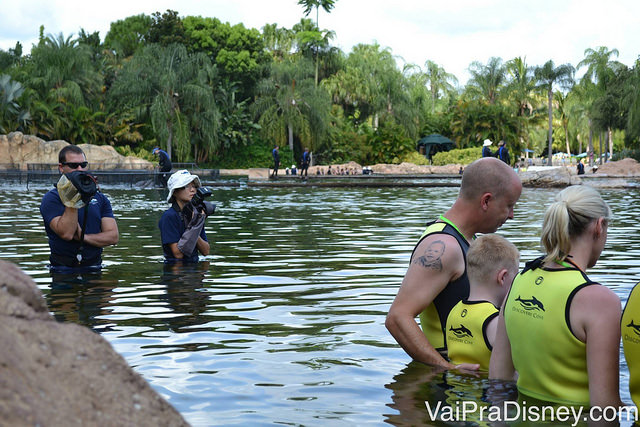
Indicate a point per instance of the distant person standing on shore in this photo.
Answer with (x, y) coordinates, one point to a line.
(276, 161)
(503, 153)
(306, 159)
(165, 165)
(486, 151)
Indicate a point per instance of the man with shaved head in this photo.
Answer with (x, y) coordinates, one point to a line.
(436, 279)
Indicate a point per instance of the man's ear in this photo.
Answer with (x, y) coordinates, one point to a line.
(484, 200)
(502, 277)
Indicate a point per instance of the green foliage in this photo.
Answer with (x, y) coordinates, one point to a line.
(415, 158)
(170, 88)
(474, 121)
(142, 153)
(12, 115)
(255, 155)
(389, 144)
(127, 35)
(225, 94)
(463, 156)
(166, 29)
(627, 153)
(238, 52)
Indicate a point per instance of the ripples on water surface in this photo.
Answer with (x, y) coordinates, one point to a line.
(284, 322)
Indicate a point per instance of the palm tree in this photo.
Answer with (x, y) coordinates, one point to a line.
(563, 115)
(440, 82)
(289, 104)
(601, 71)
(278, 41)
(549, 75)
(487, 80)
(62, 70)
(520, 91)
(12, 116)
(308, 5)
(173, 89)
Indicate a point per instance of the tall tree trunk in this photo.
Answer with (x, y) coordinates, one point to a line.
(610, 134)
(600, 138)
(550, 93)
(566, 138)
(290, 128)
(579, 144)
(169, 139)
(316, 46)
(590, 149)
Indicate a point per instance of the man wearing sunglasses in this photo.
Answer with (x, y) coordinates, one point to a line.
(77, 231)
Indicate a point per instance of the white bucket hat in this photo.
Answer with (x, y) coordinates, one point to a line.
(487, 142)
(180, 179)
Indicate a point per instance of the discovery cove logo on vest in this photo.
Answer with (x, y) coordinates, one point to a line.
(461, 332)
(468, 410)
(532, 307)
(634, 335)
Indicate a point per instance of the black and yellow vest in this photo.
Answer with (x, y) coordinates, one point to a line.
(466, 332)
(434, 318)
(630, 328)
(550, 360)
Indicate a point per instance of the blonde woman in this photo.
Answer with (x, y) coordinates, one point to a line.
(559, 329)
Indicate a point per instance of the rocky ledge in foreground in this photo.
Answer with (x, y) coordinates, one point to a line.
(64, 374)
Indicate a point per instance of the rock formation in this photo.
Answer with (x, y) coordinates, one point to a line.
(64, 374)
(549, 177)
(17, 150)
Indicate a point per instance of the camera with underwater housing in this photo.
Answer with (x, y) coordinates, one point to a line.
(199, 203)
(84, 182)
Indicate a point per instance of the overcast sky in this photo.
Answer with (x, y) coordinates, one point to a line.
(452, 33)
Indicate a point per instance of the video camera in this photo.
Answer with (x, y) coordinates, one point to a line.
(199, 203)
(85, 183)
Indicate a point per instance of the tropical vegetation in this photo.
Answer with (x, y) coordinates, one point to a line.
(223, 95)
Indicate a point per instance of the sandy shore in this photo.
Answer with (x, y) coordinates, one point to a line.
(622, 168)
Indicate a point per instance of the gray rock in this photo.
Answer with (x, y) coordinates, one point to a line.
(56, 374)
(17, 150)
(549, 177)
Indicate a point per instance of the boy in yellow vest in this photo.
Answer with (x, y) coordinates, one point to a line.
(492, 263)
(631, 341)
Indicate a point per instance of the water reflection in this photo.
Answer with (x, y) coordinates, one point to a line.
(80, 298)
(284, 322)
(185, 293)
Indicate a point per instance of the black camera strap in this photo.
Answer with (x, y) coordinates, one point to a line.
(84, 225)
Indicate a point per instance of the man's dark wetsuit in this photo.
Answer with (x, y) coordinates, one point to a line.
(165, 166)
(434, 318)
(305, 163)
(276, 161)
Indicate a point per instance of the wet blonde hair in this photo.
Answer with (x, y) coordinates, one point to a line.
(569, 216)
(490, 253)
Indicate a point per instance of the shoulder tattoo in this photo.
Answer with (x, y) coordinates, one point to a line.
(432, 256)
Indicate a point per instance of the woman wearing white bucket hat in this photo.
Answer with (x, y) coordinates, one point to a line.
(182, 238)
(486, 151)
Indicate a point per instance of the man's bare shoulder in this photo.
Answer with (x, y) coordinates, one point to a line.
(437, 252)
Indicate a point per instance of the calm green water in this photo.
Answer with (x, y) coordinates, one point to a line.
(284, 322)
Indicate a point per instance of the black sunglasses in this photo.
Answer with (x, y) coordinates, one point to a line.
(74, 165)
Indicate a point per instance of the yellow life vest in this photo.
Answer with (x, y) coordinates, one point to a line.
(434, 317)
(466, 332)
(550, 360)
(630, 329)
